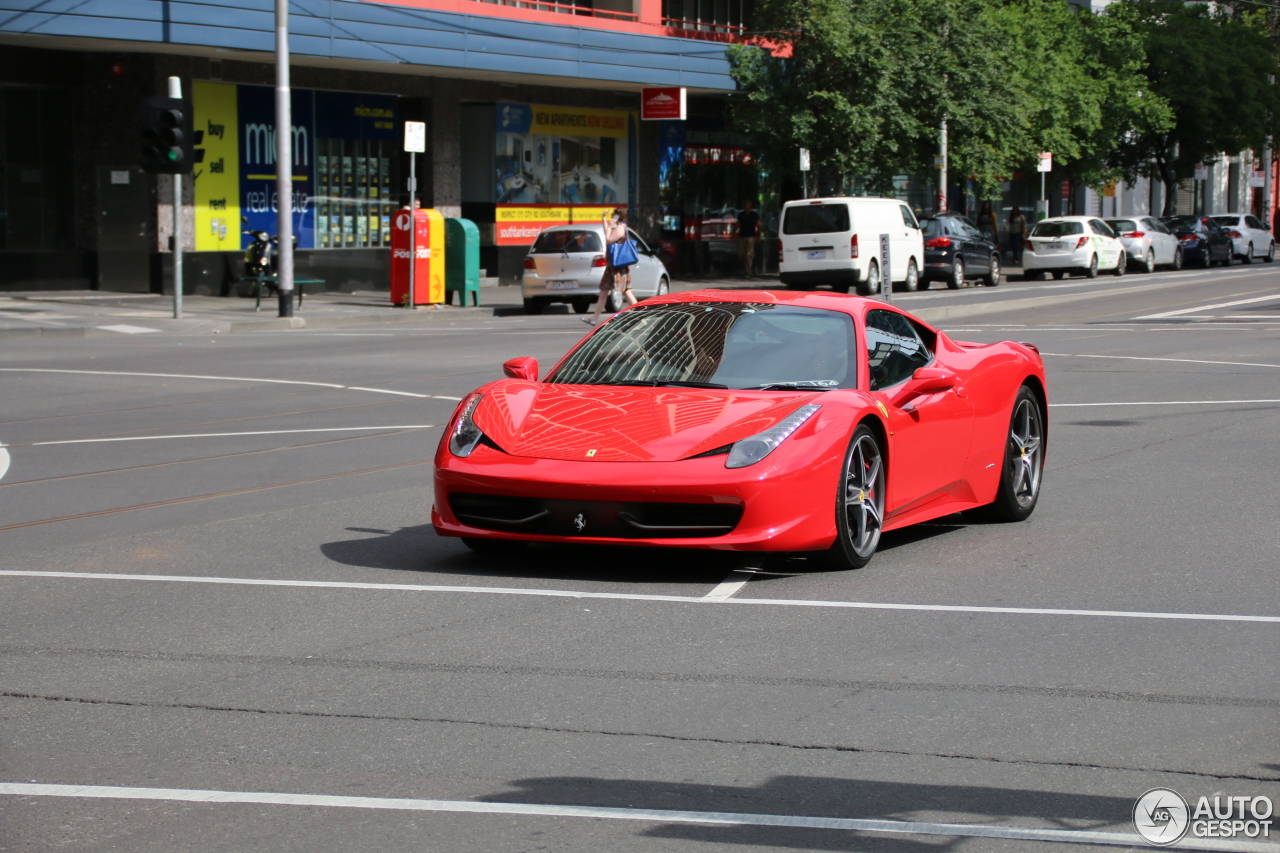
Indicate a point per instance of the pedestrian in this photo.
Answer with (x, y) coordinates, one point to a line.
(615, 231)
(748, 237)
(988, 224)
(1017, 230)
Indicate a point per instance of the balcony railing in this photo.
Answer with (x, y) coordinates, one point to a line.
(566, 9)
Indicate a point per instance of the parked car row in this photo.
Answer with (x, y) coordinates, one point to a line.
(1088, 245)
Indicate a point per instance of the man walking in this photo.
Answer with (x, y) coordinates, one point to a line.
(748, 237)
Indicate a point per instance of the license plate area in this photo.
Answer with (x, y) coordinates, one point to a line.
(816, 254)
(563, 284)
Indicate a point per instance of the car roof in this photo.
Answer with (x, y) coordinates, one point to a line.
(1069, 219)
(835, 199)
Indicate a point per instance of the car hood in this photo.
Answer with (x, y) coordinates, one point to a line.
(616, 424)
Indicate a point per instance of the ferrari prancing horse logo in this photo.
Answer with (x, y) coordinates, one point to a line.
(580, 522)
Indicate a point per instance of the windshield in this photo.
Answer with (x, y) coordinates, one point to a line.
(1123, 225)
(718, 345)
(567, 241)
(1182, 223)
(1057, 229)
(815, 219)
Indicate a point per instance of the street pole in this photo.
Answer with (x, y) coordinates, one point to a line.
(413, 229)
(175, 91)
(284, 163)
(942, 168)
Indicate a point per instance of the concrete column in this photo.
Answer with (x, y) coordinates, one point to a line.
(444, 129)
(647, 210)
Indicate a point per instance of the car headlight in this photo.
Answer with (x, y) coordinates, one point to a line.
(751, 450)
(466, 435)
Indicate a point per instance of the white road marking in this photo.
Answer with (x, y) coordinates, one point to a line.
(225, 434)
(726, 589)
(1153, 358)
(126, 329)
(634, 596)
(4, 461)
(962, 830)
(1164, 314)
(227, 379)
(1162, 403)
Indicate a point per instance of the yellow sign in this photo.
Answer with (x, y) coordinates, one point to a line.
(1109, 189)
(578, 121)
(591, 214)
(217, 179)
(534, 213)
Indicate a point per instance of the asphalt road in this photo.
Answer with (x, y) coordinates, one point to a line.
(250, 601)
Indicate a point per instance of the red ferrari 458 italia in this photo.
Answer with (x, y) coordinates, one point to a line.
(747, 421)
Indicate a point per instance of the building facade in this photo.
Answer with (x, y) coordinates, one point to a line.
(532, 114)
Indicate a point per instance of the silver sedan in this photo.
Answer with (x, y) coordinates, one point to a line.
(567, 263)
(1148, 242)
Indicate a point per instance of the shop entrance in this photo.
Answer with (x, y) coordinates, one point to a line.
(123, 253)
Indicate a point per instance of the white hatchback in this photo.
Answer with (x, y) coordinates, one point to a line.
(1251, 241)
(1073, 244)
(567, 263)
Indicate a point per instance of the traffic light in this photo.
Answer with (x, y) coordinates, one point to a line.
(166, 136)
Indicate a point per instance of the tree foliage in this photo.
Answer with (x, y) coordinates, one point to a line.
(868, 83)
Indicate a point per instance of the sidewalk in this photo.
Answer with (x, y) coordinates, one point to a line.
(87, 313)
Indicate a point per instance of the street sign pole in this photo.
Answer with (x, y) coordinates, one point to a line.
(942, 167)
(886, 271)
(175, 91)
(415, 142)
(804, 169)
(1044, 165)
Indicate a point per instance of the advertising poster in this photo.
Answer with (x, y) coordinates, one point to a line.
(217, 179)
(558, 165)
(344, 150)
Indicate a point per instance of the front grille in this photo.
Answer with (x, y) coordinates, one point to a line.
(603, 519)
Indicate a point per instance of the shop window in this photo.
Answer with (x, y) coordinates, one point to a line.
(353, 199)
(37, 206)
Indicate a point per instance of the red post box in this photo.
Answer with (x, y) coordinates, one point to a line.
(428, 261)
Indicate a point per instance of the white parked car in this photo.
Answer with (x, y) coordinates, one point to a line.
(1073, 244)
(1250, 239)
(567, 263)
(836, 241)
(1148, 242)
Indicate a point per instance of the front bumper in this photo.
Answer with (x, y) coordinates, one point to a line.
(784, 506)
(536, 287)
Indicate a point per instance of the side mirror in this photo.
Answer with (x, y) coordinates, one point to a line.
(926, 380)
(525, 367)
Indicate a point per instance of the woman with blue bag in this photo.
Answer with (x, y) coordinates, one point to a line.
(622, 254)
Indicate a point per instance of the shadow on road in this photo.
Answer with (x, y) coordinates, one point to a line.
(419, 549)
(828, 797)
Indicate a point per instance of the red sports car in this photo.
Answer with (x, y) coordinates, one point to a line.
(747, 421)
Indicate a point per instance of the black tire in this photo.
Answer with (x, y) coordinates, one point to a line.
(864, 470)
(957, 275)
(912, 284)
(873, 277)
(1058, 275)
(1022, 470)
(1091, 271)
(581, 306)
(533, 306)
(1208, 258)
(1177, 259)
(992, 278)
(494, 547)
(1122, 264)
(1247, 257)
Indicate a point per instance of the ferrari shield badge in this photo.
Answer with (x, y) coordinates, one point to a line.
(591, 452)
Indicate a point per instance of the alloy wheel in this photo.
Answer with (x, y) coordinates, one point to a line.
(912, 284)
(1151, 260)
(957, 275)
(1177, 258)
(1026, 436)
(1248, 255)
(864, 496)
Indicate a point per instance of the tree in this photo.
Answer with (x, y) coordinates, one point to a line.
(1214, 71)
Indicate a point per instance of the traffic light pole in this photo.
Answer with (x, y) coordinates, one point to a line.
(175, 91)
(284, 163)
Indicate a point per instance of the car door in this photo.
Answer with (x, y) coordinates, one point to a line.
(929, 435)
(1221, 246)
(1261, 237)
(906, 244)
(644, 278)
(977, 248)
(1107, 243)
(1162, 242)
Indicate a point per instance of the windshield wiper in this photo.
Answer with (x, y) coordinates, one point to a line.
(667, 383)
(802, 385)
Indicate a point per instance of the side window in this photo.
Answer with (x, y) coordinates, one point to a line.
(908, 218)
(894, 349)
(1252, 222)
(640, 244)
(1100, 227)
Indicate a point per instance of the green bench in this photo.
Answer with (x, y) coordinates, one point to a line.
(272, 283)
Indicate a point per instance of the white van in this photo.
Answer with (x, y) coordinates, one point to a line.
(836, 241)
